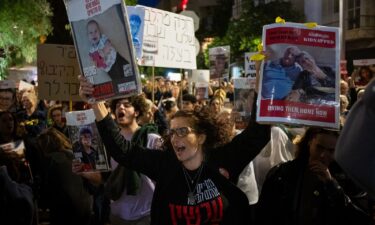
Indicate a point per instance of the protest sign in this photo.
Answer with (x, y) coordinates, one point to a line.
(244, 91)
(200, 76)
(174, 76)
(57, 72)
(136, 21)
(364, 71)
(88, 149)
(201, 90)
(219, 62)
(250, 71)
(22, 85)
(299, 80)
(104, 47)
(168, 38)
(7, 84)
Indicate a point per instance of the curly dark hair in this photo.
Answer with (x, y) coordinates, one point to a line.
(15, 125)
(138, 102)
(203, 123)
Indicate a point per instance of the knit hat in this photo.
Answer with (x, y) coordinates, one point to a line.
(355, 151)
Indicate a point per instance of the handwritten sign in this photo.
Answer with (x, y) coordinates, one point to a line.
(250, 71)
(168, 39)
(57, 72)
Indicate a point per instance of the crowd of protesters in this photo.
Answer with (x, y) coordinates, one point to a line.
(175, 159)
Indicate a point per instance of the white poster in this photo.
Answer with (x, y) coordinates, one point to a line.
(104, 47)
(244, 91)
(299, 82)
(250, 71)
(219, 62)
(88, 149)
(200, 76)
(168, 39)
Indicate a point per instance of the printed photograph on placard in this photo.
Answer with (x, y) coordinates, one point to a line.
(244, 91)
(219, 62)
(136, 21)
(201, 90)
(299, 79)
(250, 65)
(88, 149)
(104, 45)
(364, 71)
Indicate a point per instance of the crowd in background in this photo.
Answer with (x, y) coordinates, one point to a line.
(40, 186)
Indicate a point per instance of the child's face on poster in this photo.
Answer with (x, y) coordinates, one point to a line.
(93, 32)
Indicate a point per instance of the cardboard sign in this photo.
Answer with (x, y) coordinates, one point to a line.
(57, 72)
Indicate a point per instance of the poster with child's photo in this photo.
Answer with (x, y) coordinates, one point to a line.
(299, 79)
(103, 43)
(88, 149)
(364, 71)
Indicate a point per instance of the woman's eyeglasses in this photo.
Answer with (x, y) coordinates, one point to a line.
(180, 132)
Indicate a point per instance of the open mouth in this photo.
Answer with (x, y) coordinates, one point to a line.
(180, 149)
(120, 115)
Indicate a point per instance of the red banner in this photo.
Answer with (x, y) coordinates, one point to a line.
(297, 110)
(300, 36)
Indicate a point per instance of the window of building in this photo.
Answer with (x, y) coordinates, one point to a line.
(237, 9)
(336, 6)
(354, 13)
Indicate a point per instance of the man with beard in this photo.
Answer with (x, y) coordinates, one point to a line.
(131, 191)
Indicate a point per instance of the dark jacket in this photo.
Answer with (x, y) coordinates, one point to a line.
(65, 192)
(16, 201)
(164, 168)
(293, 196)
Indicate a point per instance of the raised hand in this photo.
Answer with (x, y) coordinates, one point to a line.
(320, 170)
(86, 89)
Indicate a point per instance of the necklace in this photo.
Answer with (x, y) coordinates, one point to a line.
(191, 196)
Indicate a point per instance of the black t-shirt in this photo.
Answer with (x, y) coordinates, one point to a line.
(214, 198)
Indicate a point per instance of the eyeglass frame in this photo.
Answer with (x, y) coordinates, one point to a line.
(180, 132)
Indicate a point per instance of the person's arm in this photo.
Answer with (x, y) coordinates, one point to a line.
(127, 154)
(243, 148)
(16, 198)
